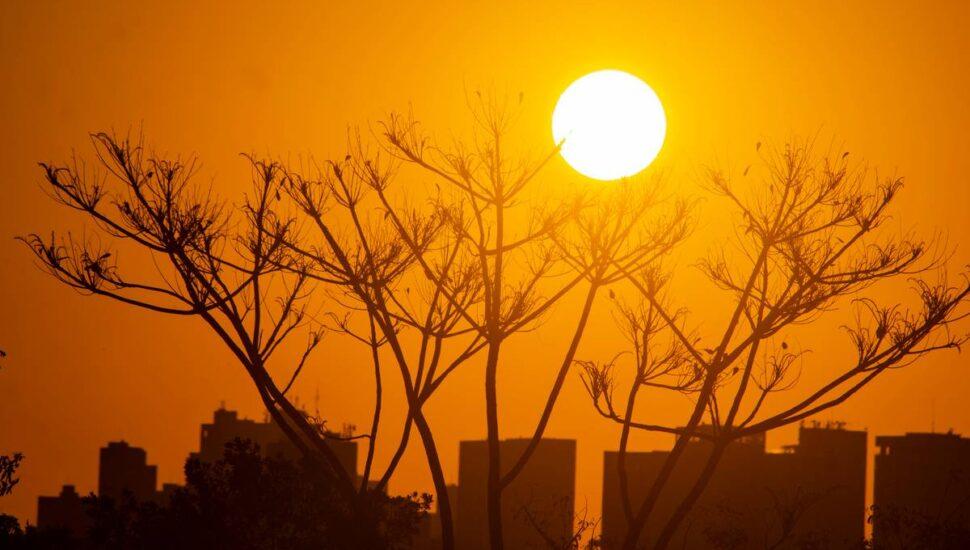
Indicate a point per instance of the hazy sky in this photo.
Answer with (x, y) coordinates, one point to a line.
(889, 83)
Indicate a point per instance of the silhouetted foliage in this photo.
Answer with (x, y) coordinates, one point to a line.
(13, 537)
(9, 526)
(8, 469)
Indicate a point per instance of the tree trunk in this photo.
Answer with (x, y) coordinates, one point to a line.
(621, 456)
(494, 504)
(440, 486)
(688, 503)
(635, 528)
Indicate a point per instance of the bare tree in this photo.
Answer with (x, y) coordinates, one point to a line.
(220, 264)
(525, 259)
(371, 270)
(429, 287)
(809, 238)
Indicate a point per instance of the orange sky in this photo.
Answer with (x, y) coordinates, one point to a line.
(890, 82)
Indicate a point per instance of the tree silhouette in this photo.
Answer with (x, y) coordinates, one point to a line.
(809, 237)
(435, 286)
(369, 269)
(215, 263)
(522, 258)
(484, 260)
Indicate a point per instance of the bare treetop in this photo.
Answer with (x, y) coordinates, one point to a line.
(809, 238)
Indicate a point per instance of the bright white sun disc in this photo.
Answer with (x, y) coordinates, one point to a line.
(610, 123)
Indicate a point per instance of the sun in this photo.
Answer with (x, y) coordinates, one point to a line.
(610, 123)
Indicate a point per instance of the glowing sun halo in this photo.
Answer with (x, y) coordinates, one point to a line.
(610, 123)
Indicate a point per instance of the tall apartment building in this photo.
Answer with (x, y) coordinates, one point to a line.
(538, 505)
(123, 468)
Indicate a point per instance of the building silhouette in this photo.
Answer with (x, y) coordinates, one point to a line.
(820, 481)
(124, 469)
(65, 511)
(226, 426)
(538, 506)
(922, 475)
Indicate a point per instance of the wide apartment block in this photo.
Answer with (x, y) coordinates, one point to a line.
(227, 426)
(65, 511)
(821, 479)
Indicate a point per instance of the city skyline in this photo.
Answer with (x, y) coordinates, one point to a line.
(263, 432)
(826, 479)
